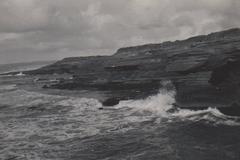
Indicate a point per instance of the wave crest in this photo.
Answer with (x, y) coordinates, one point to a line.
(210, 115)
(162, 105)
(158, 104)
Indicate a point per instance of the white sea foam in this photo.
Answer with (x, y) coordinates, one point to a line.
(209, 115)
(160, 104)
(157, 104)
(190, 113)
(7, 87)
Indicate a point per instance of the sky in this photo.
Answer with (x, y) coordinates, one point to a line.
(36, 30)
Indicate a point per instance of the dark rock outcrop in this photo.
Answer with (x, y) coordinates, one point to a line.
(205, 70)
(111, 102)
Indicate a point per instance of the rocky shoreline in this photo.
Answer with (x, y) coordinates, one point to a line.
(204, 71)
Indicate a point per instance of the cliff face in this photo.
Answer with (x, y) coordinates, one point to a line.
(205, 70)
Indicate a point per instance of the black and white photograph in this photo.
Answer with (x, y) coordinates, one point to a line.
(119, 79)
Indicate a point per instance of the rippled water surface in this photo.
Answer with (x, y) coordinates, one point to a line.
(37, 126)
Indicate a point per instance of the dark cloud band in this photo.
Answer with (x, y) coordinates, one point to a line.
(42, 30)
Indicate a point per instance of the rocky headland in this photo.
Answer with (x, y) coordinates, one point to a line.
(204, 70)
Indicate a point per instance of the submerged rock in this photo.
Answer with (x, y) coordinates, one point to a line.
(205, 70)
(111, 102)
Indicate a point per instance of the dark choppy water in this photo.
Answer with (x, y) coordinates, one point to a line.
(36, 126)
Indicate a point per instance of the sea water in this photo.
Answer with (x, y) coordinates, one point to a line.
(41, 126)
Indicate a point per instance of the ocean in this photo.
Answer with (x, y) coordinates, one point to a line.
(44, 126)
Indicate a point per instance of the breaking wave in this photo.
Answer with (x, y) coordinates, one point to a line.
(157, 104)
(162, 105)
(210, 115)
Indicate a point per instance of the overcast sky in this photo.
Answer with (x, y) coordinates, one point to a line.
(33, 30)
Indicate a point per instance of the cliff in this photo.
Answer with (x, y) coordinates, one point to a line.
(204, 70)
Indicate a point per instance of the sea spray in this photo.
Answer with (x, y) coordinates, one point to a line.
(157, 104)
(162, 105)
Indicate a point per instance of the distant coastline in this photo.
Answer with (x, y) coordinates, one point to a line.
(23, 66)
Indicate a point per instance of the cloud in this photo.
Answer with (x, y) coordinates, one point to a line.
(42, 30)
